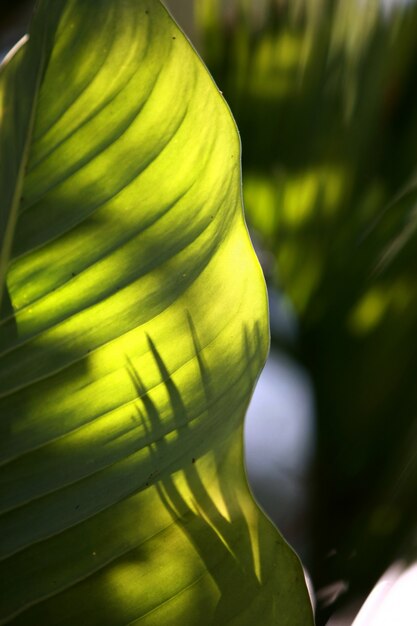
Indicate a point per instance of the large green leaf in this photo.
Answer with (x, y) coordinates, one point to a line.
(133, 330)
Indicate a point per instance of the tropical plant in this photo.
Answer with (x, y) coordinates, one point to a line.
(133, 328)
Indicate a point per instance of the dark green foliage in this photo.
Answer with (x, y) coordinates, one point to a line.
(324, 96)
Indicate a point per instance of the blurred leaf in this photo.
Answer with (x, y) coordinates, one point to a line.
(324, 94)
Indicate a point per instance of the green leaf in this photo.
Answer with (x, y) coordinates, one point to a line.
(135, 331)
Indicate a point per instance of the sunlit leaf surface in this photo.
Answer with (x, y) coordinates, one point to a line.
(133, 329)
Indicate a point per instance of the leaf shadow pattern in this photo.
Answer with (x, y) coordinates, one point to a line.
(224, 527)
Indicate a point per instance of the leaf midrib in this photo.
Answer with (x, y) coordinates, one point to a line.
(11, 221)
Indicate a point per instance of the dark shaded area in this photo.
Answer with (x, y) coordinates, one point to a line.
(14, 21)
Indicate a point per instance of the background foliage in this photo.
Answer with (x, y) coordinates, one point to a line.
(324, 96)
